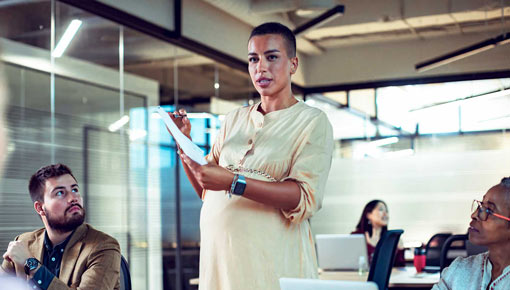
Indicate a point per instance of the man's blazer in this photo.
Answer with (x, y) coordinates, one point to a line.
(91, 260)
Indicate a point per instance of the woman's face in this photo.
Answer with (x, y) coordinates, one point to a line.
(269, 65)
(493, 231)
(379, 215)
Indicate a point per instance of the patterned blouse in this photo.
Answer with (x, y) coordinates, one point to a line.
(472, 273)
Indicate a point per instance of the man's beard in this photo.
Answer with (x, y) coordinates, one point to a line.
(64, 225)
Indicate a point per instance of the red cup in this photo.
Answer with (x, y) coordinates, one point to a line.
(419, 262)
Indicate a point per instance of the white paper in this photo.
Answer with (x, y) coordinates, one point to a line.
(189, 148)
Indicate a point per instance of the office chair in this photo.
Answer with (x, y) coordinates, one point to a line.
(383, 259)
(125, 277)
(470, 249)
(433, 252)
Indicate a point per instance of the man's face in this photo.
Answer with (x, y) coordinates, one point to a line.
(269, 65)
(63, 204)
(494, 230)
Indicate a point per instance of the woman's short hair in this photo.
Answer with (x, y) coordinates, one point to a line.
(280, 29)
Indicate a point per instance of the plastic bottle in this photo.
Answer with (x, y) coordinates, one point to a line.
(362, 265)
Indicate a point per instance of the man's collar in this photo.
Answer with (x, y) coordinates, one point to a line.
(49, 245)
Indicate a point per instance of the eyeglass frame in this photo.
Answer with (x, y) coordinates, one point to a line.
(489, 211)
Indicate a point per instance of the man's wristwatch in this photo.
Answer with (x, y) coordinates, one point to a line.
(30, 265)
(238, 185)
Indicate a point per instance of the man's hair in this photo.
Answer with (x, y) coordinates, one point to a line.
(280, 29)
(38, 180)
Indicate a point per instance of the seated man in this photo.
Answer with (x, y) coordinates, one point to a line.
(66, 253)
(490, 226)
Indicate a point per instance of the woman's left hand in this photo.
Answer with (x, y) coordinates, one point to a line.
(210, 176)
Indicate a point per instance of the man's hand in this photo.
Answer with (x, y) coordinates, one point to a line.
(210, 176)
(17, 252)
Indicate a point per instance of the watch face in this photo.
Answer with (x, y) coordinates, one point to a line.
(240, 185)
(30, 265)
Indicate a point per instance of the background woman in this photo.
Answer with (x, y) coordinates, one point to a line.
(373, 224)
(265, 177)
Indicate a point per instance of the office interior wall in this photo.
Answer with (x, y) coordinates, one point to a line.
(160, 12)
(61, 111)
(426, 193)
(397, 59)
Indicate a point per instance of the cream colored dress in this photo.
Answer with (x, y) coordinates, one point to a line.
(248, 245)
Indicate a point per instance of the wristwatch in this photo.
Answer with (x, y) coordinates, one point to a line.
(238, 185)
(31, 264)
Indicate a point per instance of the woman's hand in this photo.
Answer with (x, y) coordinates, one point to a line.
(210, 176)
(182, 123)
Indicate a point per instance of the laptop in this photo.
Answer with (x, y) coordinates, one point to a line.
(340, 251)
(316, 284)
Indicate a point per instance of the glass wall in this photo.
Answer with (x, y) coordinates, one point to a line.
(83, 93)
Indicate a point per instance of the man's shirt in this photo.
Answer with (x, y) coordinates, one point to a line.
(52, 259)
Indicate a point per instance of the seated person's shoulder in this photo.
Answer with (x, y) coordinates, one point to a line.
(30, 236)
(468, 264)
(102, 239)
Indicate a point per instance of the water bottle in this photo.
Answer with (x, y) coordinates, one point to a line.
(362, 265)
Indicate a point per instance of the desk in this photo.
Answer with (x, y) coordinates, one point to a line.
(405, 277)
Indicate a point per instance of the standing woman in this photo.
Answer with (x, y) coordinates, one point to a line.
(373, 223)
(265, 177)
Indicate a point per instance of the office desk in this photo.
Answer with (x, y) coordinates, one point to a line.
(404, 277)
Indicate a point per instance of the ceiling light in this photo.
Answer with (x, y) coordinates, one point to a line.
(321, 19)
(118, 124)
(463, 52)
(67, 37)
(385, 141)
(137, 134)
(199, 116)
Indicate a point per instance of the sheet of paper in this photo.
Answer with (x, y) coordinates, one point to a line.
(189, 148)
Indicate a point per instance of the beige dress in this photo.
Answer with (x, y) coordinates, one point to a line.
(248, 245)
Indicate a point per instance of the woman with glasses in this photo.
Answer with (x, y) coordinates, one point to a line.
(490, 226)
(373, 223)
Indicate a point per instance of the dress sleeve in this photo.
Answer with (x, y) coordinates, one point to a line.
(214, 155)
(310, 168)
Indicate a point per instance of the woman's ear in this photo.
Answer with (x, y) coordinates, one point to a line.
(294, 62)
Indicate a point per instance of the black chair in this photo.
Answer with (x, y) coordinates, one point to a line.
(469, 247)
(383, 259)
(125, 277)
(433, 252)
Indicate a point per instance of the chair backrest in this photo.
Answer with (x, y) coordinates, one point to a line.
(383, 259)
(316, 284)
(444, 261)
(433, 249)
(125, 277)
(470, 249)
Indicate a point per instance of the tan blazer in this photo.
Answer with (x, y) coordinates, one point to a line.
(91, 260)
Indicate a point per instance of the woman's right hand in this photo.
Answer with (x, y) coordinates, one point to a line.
(182, 123)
